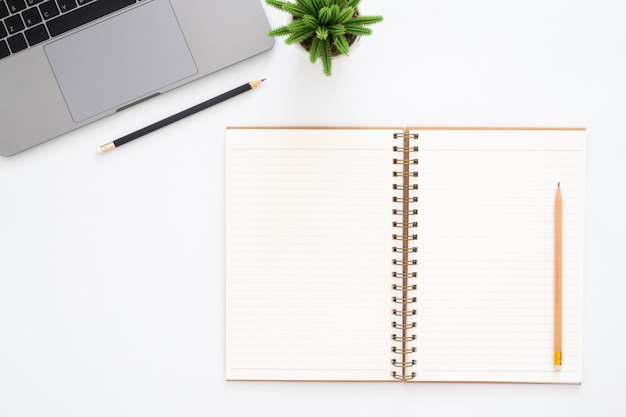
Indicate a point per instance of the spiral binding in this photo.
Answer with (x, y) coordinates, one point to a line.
(404, 315)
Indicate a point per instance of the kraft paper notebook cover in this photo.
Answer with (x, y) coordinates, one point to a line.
(402, 254)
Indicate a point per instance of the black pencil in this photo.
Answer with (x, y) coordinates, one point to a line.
(178, 116)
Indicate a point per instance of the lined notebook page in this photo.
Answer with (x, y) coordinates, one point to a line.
(308, 254)
(486, 254)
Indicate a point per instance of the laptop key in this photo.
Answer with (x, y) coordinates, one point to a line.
(16, 5)
(66, 5)
(17, 43)
(49, 9)
(85, 14)
(14, 24)
(31, 16)
(4, 12)
(4, 50)
(36, 35)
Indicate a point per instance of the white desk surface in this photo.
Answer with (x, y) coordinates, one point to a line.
(112, 266)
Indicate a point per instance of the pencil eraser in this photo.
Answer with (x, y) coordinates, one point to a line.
(106, 148)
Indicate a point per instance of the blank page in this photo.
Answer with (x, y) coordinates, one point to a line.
(486, 254)
(308, 254)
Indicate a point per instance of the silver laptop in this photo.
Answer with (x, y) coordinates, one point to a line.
(66, 63)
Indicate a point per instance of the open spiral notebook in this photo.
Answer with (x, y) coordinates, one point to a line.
(402, 254)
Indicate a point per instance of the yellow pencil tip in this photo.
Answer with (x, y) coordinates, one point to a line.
(256, 83)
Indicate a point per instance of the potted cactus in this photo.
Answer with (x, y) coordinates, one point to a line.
(326, 28)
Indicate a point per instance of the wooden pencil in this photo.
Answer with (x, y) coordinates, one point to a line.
(558, 279)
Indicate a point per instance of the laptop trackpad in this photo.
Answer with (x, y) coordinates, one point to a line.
(120, 60)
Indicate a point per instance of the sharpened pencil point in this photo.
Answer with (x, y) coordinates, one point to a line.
(558, 360)
(256, 83)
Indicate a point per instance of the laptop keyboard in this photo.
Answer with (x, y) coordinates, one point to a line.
(25, 23)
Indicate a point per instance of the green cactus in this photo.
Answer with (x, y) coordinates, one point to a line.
(326, 27)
